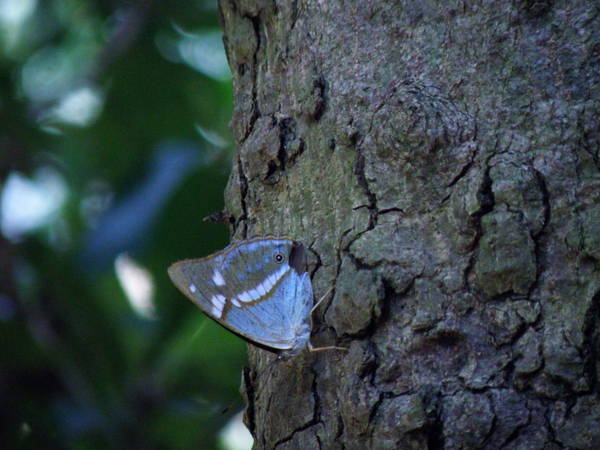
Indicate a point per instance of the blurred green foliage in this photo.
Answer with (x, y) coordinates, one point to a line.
(113, 147)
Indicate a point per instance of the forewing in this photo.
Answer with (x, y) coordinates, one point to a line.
(246, 290)
(192, 278)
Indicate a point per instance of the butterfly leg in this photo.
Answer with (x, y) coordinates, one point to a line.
(329, 347)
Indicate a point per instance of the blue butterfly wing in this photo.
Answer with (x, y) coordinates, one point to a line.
(279, 319)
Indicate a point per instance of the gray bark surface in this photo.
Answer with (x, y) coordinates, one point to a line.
(441, 161)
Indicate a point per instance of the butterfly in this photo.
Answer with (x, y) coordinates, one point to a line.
(257, 288)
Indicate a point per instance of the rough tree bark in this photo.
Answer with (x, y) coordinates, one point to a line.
(441, 160)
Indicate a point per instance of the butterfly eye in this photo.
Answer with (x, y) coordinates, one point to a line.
(279, 258)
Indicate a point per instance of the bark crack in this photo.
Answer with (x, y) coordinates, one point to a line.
(294, 14)
(486, 199)
(435, 424)
(591, 342)
(338, 268)
(537, 237)
(516, 433)
(255, 108)
(359, 171)
(588, 141)
(316, 419)
(243, 219)
(250, 415)
(550, 428)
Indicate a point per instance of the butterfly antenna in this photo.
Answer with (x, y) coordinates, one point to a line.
(320, 349)
(329, 347)
(321, 300)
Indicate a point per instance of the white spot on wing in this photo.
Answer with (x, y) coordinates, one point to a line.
(274, 278)
(261, 289)
(265, 286)
(249, 296)
(193, 288)
(268, 283)
(218, 303)
(245, 297)
(218, 278)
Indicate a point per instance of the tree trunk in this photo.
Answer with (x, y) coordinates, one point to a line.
(441, 161)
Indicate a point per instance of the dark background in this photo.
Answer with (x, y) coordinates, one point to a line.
(113, 148)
